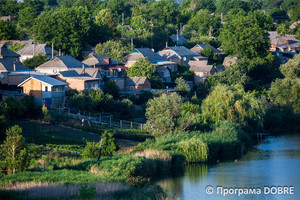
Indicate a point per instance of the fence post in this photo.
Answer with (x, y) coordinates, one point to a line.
(141, 126)
(59, 110)
(69, 111)
(109, 120)
(79, 114)
(89, 115)
(120, 123)
(100, 118)
(130, 124)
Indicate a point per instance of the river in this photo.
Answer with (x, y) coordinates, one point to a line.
(275, 161)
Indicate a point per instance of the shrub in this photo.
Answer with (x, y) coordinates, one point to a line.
(108, 145)
(91, 150)
(194, 150)
(87, 192)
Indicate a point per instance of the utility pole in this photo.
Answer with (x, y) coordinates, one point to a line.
(131, 44)
(52, 49)
(122, 19)
(181, 29)
(151, 34)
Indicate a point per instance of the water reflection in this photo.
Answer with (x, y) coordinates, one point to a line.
(275, 161)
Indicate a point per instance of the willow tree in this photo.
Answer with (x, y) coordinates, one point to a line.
(234, 104)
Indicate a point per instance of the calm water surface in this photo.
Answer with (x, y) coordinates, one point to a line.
(273, 162)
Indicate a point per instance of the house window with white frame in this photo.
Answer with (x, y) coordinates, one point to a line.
(131, 88)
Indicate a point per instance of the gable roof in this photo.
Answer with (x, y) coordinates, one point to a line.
(144, 53)
(199, 47)
(62, 62)
(99, 60)
(92, 73)
(7, 64)
(5, 52)
(285, 41)
(45, 79)
(204, 68)
(38, 49)
(197, 62)
(136, 80)
(181, 40)
(172, 52)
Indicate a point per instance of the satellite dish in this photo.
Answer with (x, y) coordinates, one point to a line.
(1, 76)
(184, 58)
(119, 69)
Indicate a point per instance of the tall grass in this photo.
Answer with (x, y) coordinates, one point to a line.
(194, 150)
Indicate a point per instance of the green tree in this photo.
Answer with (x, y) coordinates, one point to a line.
(35, 61)
(234, 104)
(101, 101)
(106, 23)
(16, 47)
(108, 144)
(14, 150)
(8, 31)
(295, 13)
(68, 28)
(286, 92)
(142, 67)
(203, 21)
(25, 18)
(3, 126)
(112, 88)
(182, 86)
(166, 114)
(245, 35)
(113, 49)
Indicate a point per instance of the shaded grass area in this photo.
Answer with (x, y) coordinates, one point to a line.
(85, 191)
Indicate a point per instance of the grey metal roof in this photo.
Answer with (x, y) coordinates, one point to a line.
(144, 53)
(177, 51)
(38, 49)
(5, 52)
(92, 73)
(199, 47)
(181, 40)
(135, 81)
(8, 65)
(62, 62)
(47, 80)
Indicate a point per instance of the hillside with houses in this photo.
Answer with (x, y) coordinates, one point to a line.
(110, 95)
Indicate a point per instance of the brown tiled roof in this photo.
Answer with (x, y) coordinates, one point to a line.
(229, 61)
(204, 68)
(181, 51)
(194, 63)
(98, 60)
(89, 72)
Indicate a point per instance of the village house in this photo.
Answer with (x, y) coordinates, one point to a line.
(287, 44)
(164, 67)
(60, 63)
(202, 72)
(181, 55)
(88, 50)
(137, 84)
(81, 79)
(200, 47)
(46, 90)
(11, 70)
(30, 50)
(109, 67)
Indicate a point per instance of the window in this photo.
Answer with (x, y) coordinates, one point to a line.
(115, 73)
(46, 88)
(107, 73)
(131, 88)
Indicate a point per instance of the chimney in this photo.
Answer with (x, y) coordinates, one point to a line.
(94, 66)
(83, 69)
(287, 41)
(167, 44)
(59, 52)
(44, 74)
(14, 66)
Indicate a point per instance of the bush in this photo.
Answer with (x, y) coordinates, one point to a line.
(91, 150)
(108, 144)
(194, 150)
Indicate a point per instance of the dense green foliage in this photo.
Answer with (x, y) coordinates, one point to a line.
(35, 61)
(113, 49)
